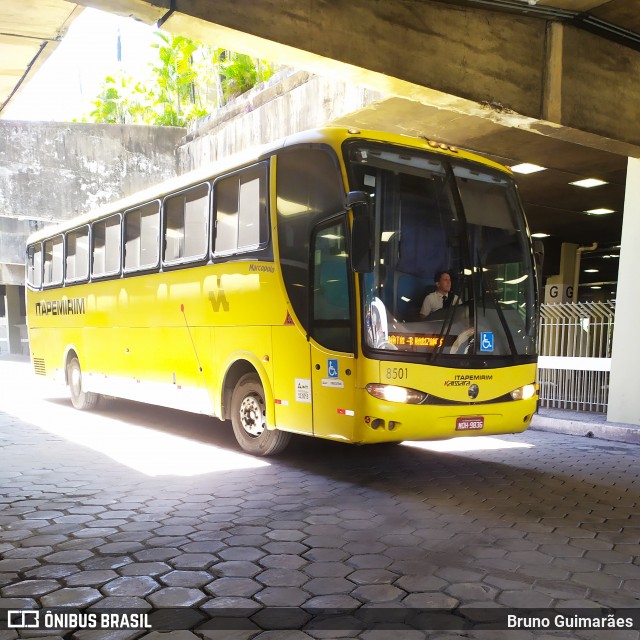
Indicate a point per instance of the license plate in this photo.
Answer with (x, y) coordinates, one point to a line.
(470, 423)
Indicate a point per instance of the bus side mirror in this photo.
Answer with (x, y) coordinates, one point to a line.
(361, 232)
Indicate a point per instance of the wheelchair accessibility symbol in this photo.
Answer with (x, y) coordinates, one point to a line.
(332, 368)
(486, 341)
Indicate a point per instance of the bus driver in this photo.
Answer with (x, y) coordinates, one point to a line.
(441, 297)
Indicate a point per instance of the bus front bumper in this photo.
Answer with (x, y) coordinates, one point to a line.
(383, 421)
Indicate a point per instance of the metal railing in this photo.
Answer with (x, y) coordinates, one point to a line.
(575, 355)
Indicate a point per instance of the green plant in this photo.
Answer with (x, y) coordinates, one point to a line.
(189, 80)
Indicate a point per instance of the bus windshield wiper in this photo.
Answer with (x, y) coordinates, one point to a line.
(447, 323)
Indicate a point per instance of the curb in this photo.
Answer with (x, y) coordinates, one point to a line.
(602, 430)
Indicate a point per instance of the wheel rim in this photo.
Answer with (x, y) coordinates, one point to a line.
(76, 380)
(252, 415)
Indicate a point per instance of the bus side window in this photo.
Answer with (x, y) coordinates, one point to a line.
(141, 234)
(187, 225)
(77, 261)
(106, 246)
(226, 212)
(34, 266)
(53, 256)
(241, 211)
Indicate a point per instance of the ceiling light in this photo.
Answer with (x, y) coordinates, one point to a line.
(527, 168)
(588, 183)
(591, 270)
(595, 287)
(540, 235)
(599, 212)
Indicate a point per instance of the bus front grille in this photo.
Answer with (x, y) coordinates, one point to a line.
(39, 367)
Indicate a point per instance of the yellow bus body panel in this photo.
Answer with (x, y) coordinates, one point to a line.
(180, 330)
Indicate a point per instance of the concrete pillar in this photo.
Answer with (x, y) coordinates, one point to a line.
(4, 341)
(624, 399)
(559, 288)
(15, 320)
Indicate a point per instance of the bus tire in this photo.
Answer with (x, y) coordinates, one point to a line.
(82, 400)
(249, 419)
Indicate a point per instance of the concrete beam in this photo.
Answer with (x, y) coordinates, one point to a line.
(516, 71)
(29, 33)
(147, 11)
(600, 88)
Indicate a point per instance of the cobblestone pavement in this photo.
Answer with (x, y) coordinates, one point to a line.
(137, 507)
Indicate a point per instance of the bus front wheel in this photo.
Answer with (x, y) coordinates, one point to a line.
(249, 419)
(82, 400)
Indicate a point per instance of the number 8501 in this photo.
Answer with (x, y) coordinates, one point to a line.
(397, 373)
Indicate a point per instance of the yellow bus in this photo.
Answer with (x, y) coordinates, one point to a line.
(282, 290)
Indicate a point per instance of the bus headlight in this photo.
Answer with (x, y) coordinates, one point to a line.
(392, 393)
(524, 393)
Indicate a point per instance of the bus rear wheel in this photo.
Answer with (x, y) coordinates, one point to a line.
(82, 400)
(249, 419)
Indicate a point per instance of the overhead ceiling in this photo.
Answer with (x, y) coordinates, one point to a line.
(31, 29)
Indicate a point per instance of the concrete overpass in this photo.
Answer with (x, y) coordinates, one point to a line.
(547, 83)
(538, 67)
(552, 83)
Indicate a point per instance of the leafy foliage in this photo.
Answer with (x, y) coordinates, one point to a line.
(121, 101)
(189, 80)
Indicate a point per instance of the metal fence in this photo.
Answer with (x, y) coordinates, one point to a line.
(575, 355)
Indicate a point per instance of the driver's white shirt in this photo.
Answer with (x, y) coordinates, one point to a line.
(434, 302)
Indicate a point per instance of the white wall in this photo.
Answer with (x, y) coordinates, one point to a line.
(624, 394)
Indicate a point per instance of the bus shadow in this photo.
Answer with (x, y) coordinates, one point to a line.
(513, 491)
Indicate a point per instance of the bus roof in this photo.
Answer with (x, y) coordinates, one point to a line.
(328, 135)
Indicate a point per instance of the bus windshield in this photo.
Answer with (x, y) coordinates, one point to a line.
(438, 218)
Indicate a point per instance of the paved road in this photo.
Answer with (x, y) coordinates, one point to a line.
(133, 507)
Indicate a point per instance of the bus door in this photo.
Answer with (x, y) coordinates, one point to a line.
(331, 333)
